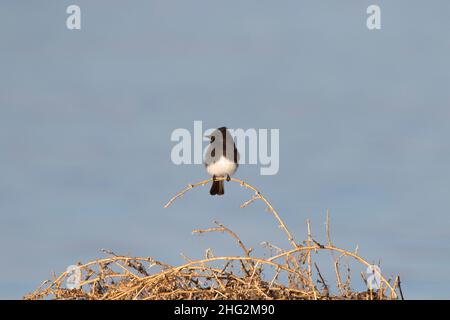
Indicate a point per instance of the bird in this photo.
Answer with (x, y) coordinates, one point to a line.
(221, 159)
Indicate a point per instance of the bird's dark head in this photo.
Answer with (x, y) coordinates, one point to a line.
(222, 131)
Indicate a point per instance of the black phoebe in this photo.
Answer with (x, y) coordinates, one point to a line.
(221, 159)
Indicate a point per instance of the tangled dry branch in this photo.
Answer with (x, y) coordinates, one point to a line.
(218, 277)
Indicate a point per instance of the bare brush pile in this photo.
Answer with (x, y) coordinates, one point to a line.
(293, 273)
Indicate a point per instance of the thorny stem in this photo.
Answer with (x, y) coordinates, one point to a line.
(144, 281)
(258, 195)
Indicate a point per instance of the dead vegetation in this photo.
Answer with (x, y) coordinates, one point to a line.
(286, 274)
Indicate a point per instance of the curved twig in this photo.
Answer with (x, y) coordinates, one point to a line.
(257, 195)
(333, 248)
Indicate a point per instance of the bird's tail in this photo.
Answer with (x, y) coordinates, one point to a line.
(217, 188)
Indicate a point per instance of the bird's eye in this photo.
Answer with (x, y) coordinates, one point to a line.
(213, 138)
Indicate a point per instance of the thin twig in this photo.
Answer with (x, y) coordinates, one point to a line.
(242, 183)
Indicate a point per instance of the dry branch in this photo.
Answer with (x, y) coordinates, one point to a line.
(217, 277)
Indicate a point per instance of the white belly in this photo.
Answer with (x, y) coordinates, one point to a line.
(222, 167)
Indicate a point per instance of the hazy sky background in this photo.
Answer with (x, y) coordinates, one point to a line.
(86, 118)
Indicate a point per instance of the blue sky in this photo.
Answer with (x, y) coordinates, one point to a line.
(86, 118)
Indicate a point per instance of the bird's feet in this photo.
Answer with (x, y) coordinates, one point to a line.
(228, 177)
